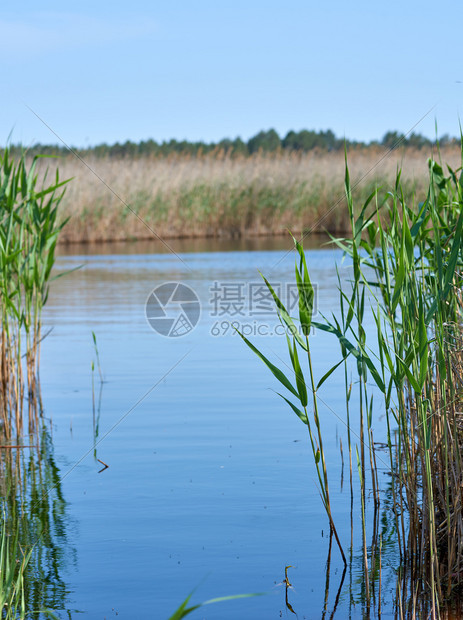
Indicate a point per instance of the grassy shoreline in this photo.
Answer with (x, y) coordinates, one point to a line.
(227, 197)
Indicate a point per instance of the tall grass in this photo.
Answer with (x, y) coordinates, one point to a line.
(222, 196)
(407, 260)
(29, 231)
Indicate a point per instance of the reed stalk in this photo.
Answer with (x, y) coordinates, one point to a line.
(407, 262)
(29, 231)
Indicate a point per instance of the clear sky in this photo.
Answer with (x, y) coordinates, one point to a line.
(203, 70)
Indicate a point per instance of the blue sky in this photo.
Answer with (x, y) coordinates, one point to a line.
(202, 70)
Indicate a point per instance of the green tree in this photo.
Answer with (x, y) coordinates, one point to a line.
(265, 140)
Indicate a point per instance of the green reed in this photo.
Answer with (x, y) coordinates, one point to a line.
(183, 610)
(300, 339)
(28, 234)
(407, 263)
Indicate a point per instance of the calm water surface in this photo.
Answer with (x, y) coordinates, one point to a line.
(210, 486)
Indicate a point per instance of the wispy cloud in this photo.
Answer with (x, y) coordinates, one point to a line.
(46, 32)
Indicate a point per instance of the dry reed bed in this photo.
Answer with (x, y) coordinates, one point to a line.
(182, 196)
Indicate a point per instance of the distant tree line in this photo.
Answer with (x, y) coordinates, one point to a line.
(264, 141)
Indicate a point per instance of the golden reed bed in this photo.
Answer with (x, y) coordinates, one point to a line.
(182, 196)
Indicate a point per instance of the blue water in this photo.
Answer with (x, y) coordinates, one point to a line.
(210, 486)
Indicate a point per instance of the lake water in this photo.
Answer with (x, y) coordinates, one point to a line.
(210, 486)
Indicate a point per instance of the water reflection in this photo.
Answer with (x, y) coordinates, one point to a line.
(327, 584)
(393, 591)
(182, 246)
(37, 514)
(187, 498)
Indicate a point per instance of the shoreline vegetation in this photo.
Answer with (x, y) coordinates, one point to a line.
(406, 259)
(32, 507)
(414, 364)
(231, 189)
